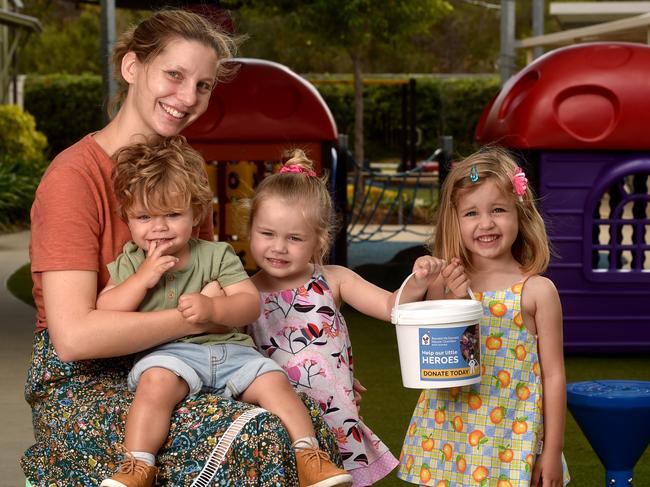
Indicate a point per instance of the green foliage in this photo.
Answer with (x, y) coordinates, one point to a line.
(71, 46)
(67, 107)
(19, 139)
(20, 285)
(21, 164)
(444, 106)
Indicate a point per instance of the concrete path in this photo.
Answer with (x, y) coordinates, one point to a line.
(16, 331)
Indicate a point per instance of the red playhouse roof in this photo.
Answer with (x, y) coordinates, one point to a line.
(264, 102)
(586, 96)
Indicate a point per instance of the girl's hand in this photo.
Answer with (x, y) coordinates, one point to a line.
(155, 264)
(357, 390)
(196, 308)
(547, 471)
(456, 278)
(427, 268)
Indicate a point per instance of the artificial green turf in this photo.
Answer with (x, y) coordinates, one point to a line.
(387, 406)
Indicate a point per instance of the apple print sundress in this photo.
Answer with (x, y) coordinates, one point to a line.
(486, 434)
(303, 331)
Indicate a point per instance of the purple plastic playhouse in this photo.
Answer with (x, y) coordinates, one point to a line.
(579, 117)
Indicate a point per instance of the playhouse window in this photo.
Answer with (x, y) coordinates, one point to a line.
(621, 227)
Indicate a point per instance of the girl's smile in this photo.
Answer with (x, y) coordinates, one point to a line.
(488, 221)
(283, 242)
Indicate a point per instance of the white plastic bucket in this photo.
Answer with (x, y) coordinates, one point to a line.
(438, 341)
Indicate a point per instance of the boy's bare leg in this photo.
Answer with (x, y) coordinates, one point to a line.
(147, 425)
(273, 392)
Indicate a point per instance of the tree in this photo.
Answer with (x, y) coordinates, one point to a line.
(356, 27)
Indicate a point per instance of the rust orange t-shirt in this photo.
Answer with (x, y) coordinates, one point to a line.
(74, 219)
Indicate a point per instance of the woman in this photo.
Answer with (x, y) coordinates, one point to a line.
(76, 385)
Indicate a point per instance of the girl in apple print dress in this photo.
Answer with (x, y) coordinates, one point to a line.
(290, 227)
(505, 431)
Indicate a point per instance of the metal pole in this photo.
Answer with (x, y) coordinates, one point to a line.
(507, 55)
(538, 25)
(108, 39)
(412, 124)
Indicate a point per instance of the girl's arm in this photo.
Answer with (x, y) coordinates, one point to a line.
(371, 300)
(239, 307)
(79, 331)
(546, 308)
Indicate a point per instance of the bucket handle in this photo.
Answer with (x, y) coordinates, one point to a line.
(401, 288)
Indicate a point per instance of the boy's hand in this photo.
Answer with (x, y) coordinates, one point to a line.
(456, 278)
(155, 264)
(427, 268)
(196, 308)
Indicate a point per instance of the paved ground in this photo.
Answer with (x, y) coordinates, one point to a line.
(16, 331)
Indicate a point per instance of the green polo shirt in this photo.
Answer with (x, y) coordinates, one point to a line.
(209, 261)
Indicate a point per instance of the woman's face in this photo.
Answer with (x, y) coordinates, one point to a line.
(174, 88)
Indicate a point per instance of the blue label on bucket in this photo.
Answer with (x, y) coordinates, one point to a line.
(449, 353)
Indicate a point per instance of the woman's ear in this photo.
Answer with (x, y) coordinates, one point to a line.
(129, 65)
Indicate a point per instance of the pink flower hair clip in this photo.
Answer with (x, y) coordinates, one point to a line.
(519, 183)
(296, 169)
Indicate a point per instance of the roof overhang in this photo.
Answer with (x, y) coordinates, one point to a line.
(580, 14)
(14, 19)
(631, 29)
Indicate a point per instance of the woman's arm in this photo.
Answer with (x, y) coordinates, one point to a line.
(79, 331)
(544, 304)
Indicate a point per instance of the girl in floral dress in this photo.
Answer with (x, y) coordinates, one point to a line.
(505, 431)
(300, 326)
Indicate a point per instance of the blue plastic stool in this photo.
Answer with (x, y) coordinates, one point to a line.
(614, 415)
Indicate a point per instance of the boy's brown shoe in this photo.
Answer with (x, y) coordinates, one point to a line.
(315, 469)
(132, 473)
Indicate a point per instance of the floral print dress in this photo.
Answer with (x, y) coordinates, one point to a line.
(303, 331)
(79, 410)
(487, 434)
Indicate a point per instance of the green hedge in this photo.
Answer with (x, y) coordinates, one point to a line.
(22, 162)
(68, 107)
(444, 106)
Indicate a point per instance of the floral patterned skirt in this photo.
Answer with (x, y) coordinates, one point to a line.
(79, 411)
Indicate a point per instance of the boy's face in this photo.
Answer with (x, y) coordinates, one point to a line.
(171, 231)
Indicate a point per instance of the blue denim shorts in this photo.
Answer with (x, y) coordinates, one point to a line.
(226, 369)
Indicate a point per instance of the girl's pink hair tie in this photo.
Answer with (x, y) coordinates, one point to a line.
(519, 183)
(295, 168)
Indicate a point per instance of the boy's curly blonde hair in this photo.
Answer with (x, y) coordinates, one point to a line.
(165, 175)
